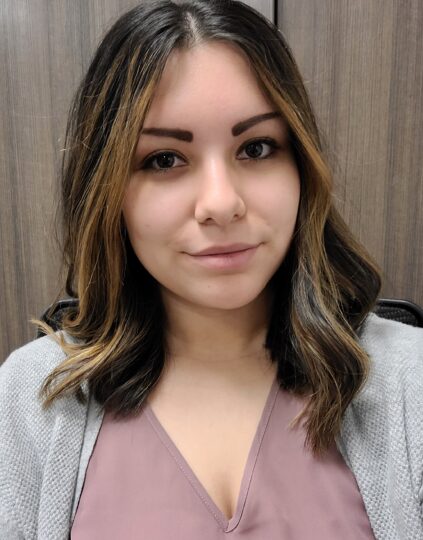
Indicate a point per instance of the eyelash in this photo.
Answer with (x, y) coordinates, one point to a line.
(146, 165)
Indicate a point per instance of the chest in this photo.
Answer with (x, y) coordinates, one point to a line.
(214, 437)
(174, 500)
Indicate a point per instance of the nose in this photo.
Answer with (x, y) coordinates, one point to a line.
(219, 199)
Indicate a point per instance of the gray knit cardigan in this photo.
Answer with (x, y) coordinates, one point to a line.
(44, 454)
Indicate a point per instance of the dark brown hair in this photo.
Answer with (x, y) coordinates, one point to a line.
(323, 290)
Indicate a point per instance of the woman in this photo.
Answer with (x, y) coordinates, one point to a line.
(222, 372)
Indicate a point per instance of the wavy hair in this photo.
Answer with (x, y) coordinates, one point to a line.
(117, 342)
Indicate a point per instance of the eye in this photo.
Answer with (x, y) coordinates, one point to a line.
(254, 148)
(164, 160)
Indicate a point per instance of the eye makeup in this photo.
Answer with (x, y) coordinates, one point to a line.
(146, 164)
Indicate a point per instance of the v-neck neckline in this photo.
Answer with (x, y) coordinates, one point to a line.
(226, 524)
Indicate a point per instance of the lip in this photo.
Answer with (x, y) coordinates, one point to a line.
(220, 250)
(235, 260)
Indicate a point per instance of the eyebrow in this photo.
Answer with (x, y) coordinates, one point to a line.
(187, 136)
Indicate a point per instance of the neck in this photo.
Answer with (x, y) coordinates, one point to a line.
(218, 342)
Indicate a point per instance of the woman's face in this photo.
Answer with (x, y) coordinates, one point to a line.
(196, 185)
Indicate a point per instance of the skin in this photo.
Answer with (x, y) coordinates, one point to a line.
(213, 193)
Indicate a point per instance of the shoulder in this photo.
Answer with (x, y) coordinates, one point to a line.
(396, 356)
(30, 364)
(391, 336)
(23, 373)
(21, 377)
(396, 363)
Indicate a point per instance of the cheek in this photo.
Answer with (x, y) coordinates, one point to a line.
(279, 201)
(148, 215)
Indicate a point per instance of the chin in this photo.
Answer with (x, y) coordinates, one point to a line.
(226, 300)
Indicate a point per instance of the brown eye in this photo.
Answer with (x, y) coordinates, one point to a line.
(164, 161)
(254, 149)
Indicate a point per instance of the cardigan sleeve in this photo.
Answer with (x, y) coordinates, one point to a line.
(19, 463)
(397, 349)
(21, 446)
(26, 431)
(382, 430)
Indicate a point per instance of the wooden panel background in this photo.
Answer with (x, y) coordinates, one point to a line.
(45, 47)
(363, 65)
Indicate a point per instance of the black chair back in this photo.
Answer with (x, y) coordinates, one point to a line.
(400, 310)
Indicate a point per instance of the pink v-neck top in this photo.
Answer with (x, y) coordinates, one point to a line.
(138, 486)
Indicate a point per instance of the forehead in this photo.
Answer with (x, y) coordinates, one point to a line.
(212, 76)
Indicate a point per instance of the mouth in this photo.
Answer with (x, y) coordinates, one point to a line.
(233, 260)
(224, 250)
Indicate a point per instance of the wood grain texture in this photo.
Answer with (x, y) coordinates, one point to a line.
(45, 47)
(363, 66)
(266, 7)
(29, 265)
